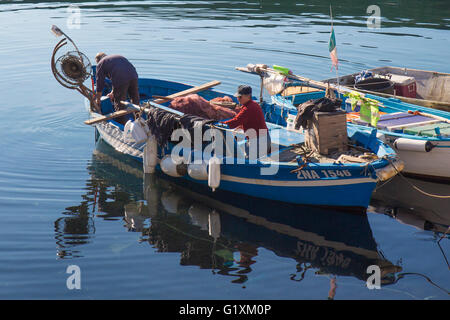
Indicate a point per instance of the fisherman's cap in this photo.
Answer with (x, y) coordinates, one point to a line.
(99, 56)
(243, 90)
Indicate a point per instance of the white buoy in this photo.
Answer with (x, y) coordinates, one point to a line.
(150, 155)
(214, 173)
(404, 144)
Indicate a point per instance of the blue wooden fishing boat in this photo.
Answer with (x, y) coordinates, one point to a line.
(286, 173)
(327, 241)
(420, 135)
(324, 183)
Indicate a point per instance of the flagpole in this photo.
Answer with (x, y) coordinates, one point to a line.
(336, 67)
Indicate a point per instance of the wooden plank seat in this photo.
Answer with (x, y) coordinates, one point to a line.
(395, 121)
(429, 130)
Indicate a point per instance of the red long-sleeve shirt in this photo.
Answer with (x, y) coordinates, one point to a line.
(249, 117)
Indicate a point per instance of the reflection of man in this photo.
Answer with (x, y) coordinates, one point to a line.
(123, 76)
(247, 252)
(333, 287)
(250, 115)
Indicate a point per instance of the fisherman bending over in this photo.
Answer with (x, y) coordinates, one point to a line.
(250, 117)
(124, 80)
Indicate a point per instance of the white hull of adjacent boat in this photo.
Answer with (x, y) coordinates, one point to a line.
(433, 164)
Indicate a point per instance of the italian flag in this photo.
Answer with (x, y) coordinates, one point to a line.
(332, 49)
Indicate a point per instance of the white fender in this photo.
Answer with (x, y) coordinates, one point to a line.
(199, 215)
(214, 173)
(413, 145)
(198, 171)
(171, 168)
(150, 155)
(214, 224)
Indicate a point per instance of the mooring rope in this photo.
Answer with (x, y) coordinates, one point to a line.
(417, 188)
(402, 275)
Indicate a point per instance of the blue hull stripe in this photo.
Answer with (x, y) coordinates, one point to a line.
(347, 195)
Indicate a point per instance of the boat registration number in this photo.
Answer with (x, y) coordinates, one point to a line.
(322, 174)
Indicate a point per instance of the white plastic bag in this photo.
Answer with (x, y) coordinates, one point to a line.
(140, 131)
(274, 83)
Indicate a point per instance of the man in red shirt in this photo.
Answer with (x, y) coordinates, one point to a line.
(250, 117)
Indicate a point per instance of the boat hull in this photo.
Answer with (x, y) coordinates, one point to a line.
(306, 187)
(429, 165)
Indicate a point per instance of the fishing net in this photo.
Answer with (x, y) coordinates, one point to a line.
(73, 67)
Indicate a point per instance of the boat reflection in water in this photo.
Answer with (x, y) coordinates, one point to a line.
(224, 232)
(414, 202)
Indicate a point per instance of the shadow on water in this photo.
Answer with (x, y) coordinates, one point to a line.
(224, 233)
(417, 203)
(410, 201)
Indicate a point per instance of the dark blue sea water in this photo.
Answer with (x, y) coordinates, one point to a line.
(66, 201)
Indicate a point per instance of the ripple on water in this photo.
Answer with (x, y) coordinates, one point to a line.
(49, 179)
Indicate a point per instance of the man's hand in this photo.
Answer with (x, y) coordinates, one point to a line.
(98, 96)
(111, 96)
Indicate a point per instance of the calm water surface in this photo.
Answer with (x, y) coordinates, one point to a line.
(65, 200)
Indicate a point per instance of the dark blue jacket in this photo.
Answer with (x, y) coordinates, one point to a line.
(117, 68)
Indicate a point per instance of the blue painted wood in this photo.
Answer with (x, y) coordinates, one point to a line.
(328, 184)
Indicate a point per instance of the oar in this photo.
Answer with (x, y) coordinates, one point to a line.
(135, 107)
(160, 97)
(162, 100)
(318, 84)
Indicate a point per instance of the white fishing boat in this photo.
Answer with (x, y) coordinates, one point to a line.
(420, 87)
(420, 135)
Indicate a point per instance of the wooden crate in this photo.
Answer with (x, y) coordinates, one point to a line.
(327, 132)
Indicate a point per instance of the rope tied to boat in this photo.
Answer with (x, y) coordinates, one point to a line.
(305, 158)
(414, 186)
